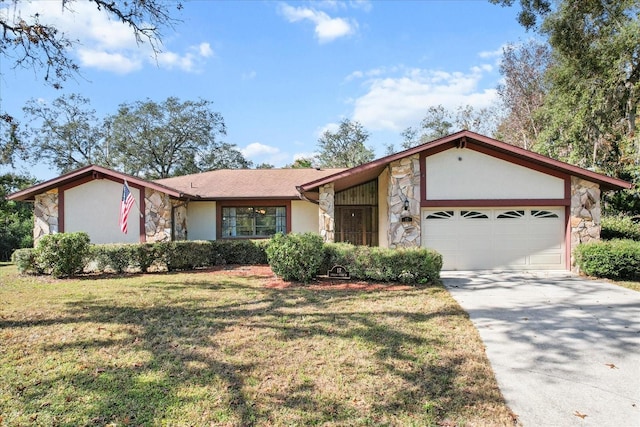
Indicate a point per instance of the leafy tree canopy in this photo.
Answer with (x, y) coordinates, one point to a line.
(66, 133)
(523, 92)
(31, 42)
(440, 121)
(146, 138)
(344, 148)
(16, 218)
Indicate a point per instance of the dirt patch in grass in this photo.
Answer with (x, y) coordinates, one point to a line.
(238, 347)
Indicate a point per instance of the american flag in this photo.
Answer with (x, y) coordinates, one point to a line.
(125, 206)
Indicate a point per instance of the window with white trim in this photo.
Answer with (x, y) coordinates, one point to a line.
(253, 221)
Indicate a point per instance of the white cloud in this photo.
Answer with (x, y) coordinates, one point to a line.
(490, 54)
(113, 62)
(258, 149)
(205, 51)
(262, 153)
(395, 102)
(329, 127)
(104, 43)
(326, 28)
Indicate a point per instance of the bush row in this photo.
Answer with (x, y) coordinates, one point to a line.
(619, 227)
(299, 257)
(302, 257)
(411, 265)
(613, 259)
(67, 254)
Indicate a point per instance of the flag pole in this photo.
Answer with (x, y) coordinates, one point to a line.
(134, 199)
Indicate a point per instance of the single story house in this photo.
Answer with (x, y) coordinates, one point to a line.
(481, 203)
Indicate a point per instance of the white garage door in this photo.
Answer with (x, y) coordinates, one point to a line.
(522, 238)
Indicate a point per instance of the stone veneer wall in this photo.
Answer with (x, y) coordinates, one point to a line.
(179, 220)
(157, 216)
(585, 213)
(45, 213)
(327, 212)
(404, 184)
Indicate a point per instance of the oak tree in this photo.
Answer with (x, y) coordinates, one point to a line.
(345, 147)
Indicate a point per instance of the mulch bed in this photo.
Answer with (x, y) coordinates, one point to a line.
(271, 281)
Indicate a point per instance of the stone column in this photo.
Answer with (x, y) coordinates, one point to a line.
(404, 184)
(179, 220)
(157, 222)
(45, 214)
(585, 213)
(327, 213)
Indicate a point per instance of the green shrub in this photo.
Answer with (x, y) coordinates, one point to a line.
(412, 266)
(114, 257)
(619, 227)
(613, 259)
(144, 255)
(187, 255)
(296, 256)
(245, 252)
(63, 254)
(25, 261)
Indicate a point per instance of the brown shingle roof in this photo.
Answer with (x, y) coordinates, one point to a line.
(246, 183)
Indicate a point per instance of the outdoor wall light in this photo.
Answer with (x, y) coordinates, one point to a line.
(405, 216)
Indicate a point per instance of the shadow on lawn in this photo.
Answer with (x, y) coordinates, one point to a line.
(175, 351)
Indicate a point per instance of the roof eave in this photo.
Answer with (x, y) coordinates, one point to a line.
(606, 182)
(28, 194)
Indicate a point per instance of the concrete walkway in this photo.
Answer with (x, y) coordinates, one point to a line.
(565, 350)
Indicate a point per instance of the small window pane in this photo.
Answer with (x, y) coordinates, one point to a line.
(511, 214)
(440, 215)
(473, 215)
(543, 214)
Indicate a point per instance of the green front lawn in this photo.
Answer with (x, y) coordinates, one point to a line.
(221, 348)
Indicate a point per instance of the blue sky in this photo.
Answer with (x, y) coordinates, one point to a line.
(281, 73)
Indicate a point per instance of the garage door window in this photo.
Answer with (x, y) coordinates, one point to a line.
(543, 214)
(511, 214)
(473, 215)
(440, 215)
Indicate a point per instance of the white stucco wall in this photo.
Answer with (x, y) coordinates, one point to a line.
(202, 220)
(467, 174)
(383, 209)
(304, 217)
(94, 207)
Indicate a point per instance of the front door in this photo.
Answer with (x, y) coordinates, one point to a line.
(356, 225)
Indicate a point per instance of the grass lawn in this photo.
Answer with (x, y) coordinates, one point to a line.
(229, 348)
(631, 285)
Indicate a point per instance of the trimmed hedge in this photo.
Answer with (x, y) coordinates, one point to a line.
(619, 227)
(411, 266)
(296, 256)
(299, 257)
(118, 258)
(613, 259)
(62, 254)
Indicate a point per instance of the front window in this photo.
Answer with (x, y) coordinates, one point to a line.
(253, 221)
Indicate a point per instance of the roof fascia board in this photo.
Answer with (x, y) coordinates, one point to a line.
(451, 141)
(95, 172)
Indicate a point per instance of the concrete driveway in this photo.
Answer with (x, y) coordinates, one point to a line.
(565, 350)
